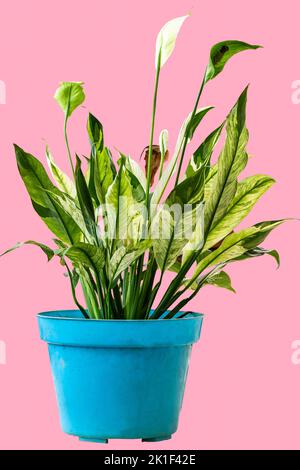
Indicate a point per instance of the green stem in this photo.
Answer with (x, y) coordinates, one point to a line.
(152, 132)
(68, 147)
(187, 133)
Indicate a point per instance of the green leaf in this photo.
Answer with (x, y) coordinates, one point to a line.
(187, 129)
(166, 39)
(196, 120)
(197, 239)
(220, 279)
(259, 251)
(125, 216)
(263, 230)
(204, 152)
(64, 182)
(95, 132)
(69, 96)
(189, 191)
(231, 162)
(236, 244)
(171, 231)
(104, 173)
(248, 193)
(85, 200)
(123, 258)
(38, 186)
(70, 206)
(134, 168)
(48, 251)
(88, 255)
(73, 288)
(220, 54)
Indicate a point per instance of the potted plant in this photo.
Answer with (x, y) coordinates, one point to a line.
(120, 361)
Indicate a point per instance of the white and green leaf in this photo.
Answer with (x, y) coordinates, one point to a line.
(248, 193)
(166, 40)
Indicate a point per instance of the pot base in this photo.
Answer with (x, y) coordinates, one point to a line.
(95, 441)
(105, 441)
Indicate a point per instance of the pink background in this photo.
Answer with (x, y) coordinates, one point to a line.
(243, 390)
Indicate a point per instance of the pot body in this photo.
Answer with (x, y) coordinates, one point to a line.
(120, 379)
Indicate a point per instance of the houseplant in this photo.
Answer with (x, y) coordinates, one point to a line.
(120, 362)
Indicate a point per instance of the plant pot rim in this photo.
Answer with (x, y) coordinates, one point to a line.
(69, 328)
(54, 315)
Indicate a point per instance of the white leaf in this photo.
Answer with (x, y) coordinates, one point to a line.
(166, 40)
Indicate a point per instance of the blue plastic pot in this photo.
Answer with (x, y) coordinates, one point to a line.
(120, 379)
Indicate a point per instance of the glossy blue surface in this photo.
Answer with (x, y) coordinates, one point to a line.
(120, 379)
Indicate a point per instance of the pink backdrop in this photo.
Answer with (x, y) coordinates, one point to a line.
(243, 389)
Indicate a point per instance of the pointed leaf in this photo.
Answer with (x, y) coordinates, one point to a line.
(48, 251)
(204, 152)
(95, 132)
(123, 258)
(236, 244)
(64, 182)
(166, 39)
(104, 173)
(248, 193)
(220, 279)
(258, 251)
(85, 200)
(231, 162)
(38, 184)
(221, 53)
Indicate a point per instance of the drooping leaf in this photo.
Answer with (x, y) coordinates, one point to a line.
(48, 251)
(259, 251)
(69, 96)
(232, 161)
(166, 39)
(263, 230)
(38, 184)
(64, 182)
(220, 54)
(236, 244)
(220, 279)
(248, 192)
